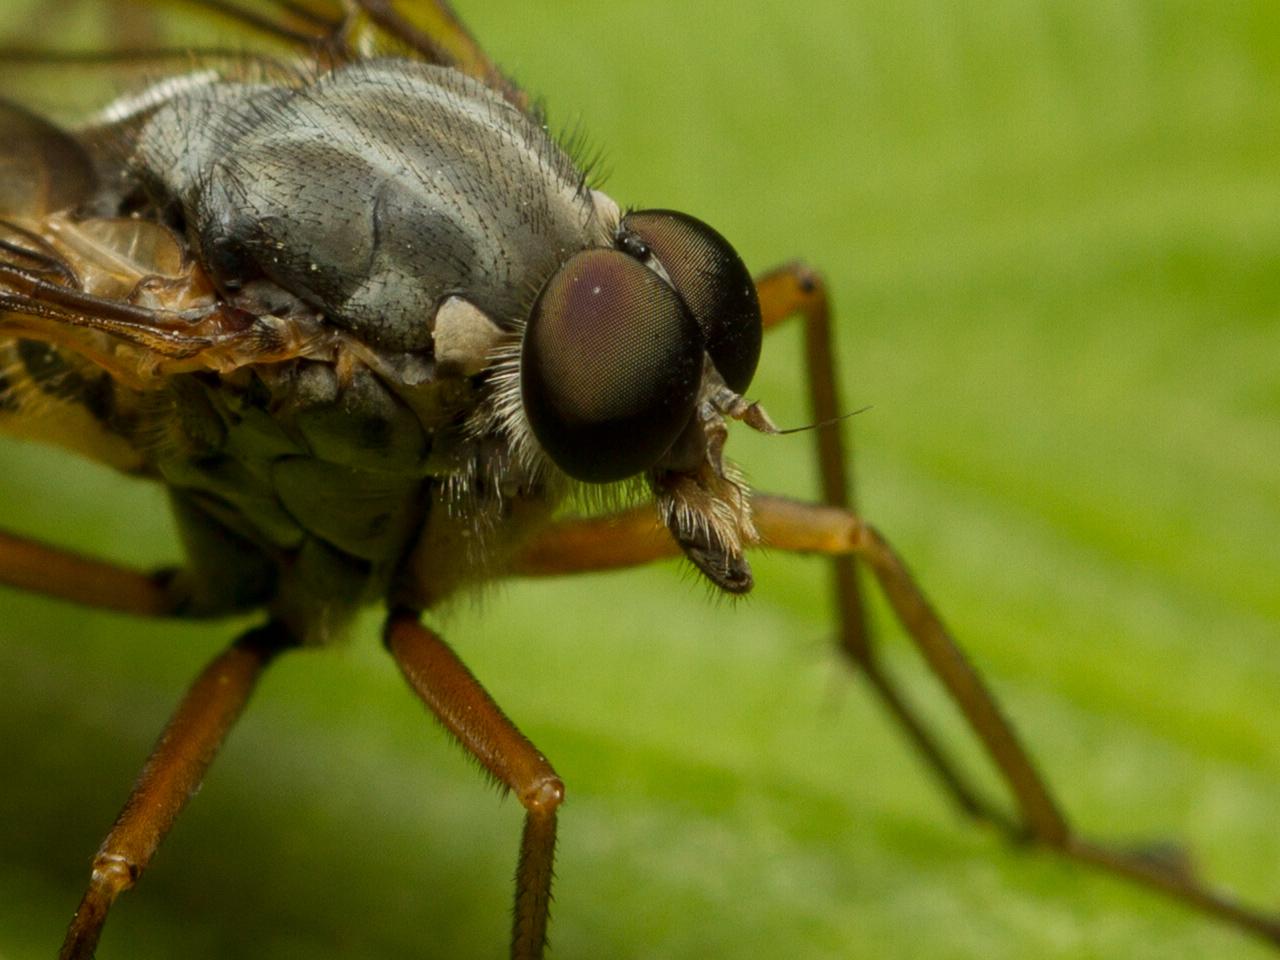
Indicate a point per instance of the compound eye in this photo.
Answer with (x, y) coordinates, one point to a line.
(610, 366)
(713, 281)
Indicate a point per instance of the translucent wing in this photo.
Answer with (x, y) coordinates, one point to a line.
(345, 30)
(96, 312)
(119, 44)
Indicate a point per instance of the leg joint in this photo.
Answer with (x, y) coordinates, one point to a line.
(114, 873)
(268, 640)
(544, 795)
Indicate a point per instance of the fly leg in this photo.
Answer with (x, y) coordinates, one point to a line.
(459, 702)
(805, 528)
(797, 290)
(171, 776)
(636, 537)
(55, 572)
(201, 589)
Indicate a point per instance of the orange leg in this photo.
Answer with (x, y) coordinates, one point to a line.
(797, 290)
(454, 695)
(170, 778)
(54, 572)
(635, 537)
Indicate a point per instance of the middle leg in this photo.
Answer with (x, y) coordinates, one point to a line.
(467, 711)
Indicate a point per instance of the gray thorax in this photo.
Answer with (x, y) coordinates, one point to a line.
(373, 194)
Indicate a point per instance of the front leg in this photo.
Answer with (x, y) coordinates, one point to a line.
(634, 537)
(170, 778)
(459, 702)
(797, 290)
(805, 528)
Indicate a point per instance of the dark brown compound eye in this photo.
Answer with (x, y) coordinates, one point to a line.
(610, 366)
(711, 279)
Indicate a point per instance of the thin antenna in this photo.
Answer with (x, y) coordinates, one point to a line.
(824, 423)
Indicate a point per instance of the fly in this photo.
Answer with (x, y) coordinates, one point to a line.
(383, 340)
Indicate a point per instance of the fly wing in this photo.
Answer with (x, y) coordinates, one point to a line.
(42, 169)
(346, 30)
(121, 45)
(62, 380)
(48, 390)
(95, 312)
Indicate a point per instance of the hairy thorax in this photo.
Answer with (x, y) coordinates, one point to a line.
(390, 223)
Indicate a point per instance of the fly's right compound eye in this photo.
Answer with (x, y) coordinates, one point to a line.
(711, 279)
(610, 367)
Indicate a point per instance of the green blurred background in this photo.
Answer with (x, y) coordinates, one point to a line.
(1052, 231)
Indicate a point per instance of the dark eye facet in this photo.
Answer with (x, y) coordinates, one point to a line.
(610, 366)
(713, 281)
